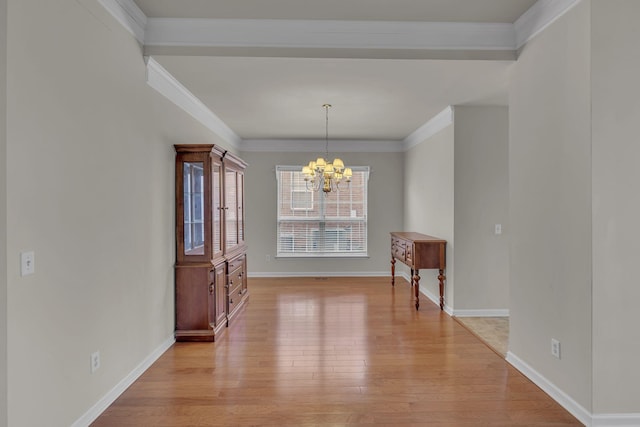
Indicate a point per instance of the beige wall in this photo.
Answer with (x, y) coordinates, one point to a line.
(616, 205)
(90, 188)
(550, 204)
(457, 189)
(481, 200)
(385, 202)
(428, 201)
(3, 213)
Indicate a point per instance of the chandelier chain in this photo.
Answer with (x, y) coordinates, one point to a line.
(326, 129)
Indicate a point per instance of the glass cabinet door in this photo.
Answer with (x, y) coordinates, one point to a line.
(240, 207)
(193, 191)
(231, 208)
(216, 208)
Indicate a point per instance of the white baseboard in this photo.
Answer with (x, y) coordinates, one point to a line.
(97, 409)
(548, 387)
(320, 274)
(616, 420)
(497, 312)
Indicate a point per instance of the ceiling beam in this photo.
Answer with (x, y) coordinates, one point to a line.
(378, 38)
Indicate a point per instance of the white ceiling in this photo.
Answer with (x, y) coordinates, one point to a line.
(376, 94)
(276, 98)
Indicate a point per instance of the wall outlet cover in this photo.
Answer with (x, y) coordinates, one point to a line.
(27, 263)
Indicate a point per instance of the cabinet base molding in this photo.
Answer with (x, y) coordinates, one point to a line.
(200, 335)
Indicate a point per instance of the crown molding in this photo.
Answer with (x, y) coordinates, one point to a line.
(539, 16)
(330, 34)
(438, 122)
(129, 15)
(318, 145)
(167, 85)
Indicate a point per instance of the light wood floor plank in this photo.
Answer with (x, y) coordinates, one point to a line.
(334, 352)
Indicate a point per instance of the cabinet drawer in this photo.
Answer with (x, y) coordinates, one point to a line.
(398, 248)
(235, 278)
(235, 264)
(234, 295)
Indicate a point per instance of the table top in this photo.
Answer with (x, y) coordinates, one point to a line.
(417, 237)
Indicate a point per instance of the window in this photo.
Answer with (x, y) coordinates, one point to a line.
(317, 224)
(301, 198)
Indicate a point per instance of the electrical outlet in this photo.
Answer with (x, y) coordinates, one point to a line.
(498, 229)
(267, 258)
(555, 348)
(95, 361)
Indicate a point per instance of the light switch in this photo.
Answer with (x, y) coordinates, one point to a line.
(27, 263)
(498, 229)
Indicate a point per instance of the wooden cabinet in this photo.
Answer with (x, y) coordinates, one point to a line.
(210, 249)
(419, 251)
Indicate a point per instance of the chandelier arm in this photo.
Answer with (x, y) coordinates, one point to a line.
(313, 186)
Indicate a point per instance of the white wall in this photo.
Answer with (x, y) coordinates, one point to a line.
(90, 188)
(429, 200)
(385, 202)
(3, 213)
(616, 205)
(550, 204)
(481, 201)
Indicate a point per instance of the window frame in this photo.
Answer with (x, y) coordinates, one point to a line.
(322, 235)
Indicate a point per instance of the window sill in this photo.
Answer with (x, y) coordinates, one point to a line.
(320, 256)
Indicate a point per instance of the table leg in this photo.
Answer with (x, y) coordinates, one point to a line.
(416, 283)
(393, 271)
(441, 278)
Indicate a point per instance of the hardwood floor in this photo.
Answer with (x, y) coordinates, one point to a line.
(337, 351)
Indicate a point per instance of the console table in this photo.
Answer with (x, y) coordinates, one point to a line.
(419, 251)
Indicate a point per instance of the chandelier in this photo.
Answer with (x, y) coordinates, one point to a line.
(322, 174)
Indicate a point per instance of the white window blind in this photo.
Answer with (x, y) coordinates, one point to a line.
(315, 224)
